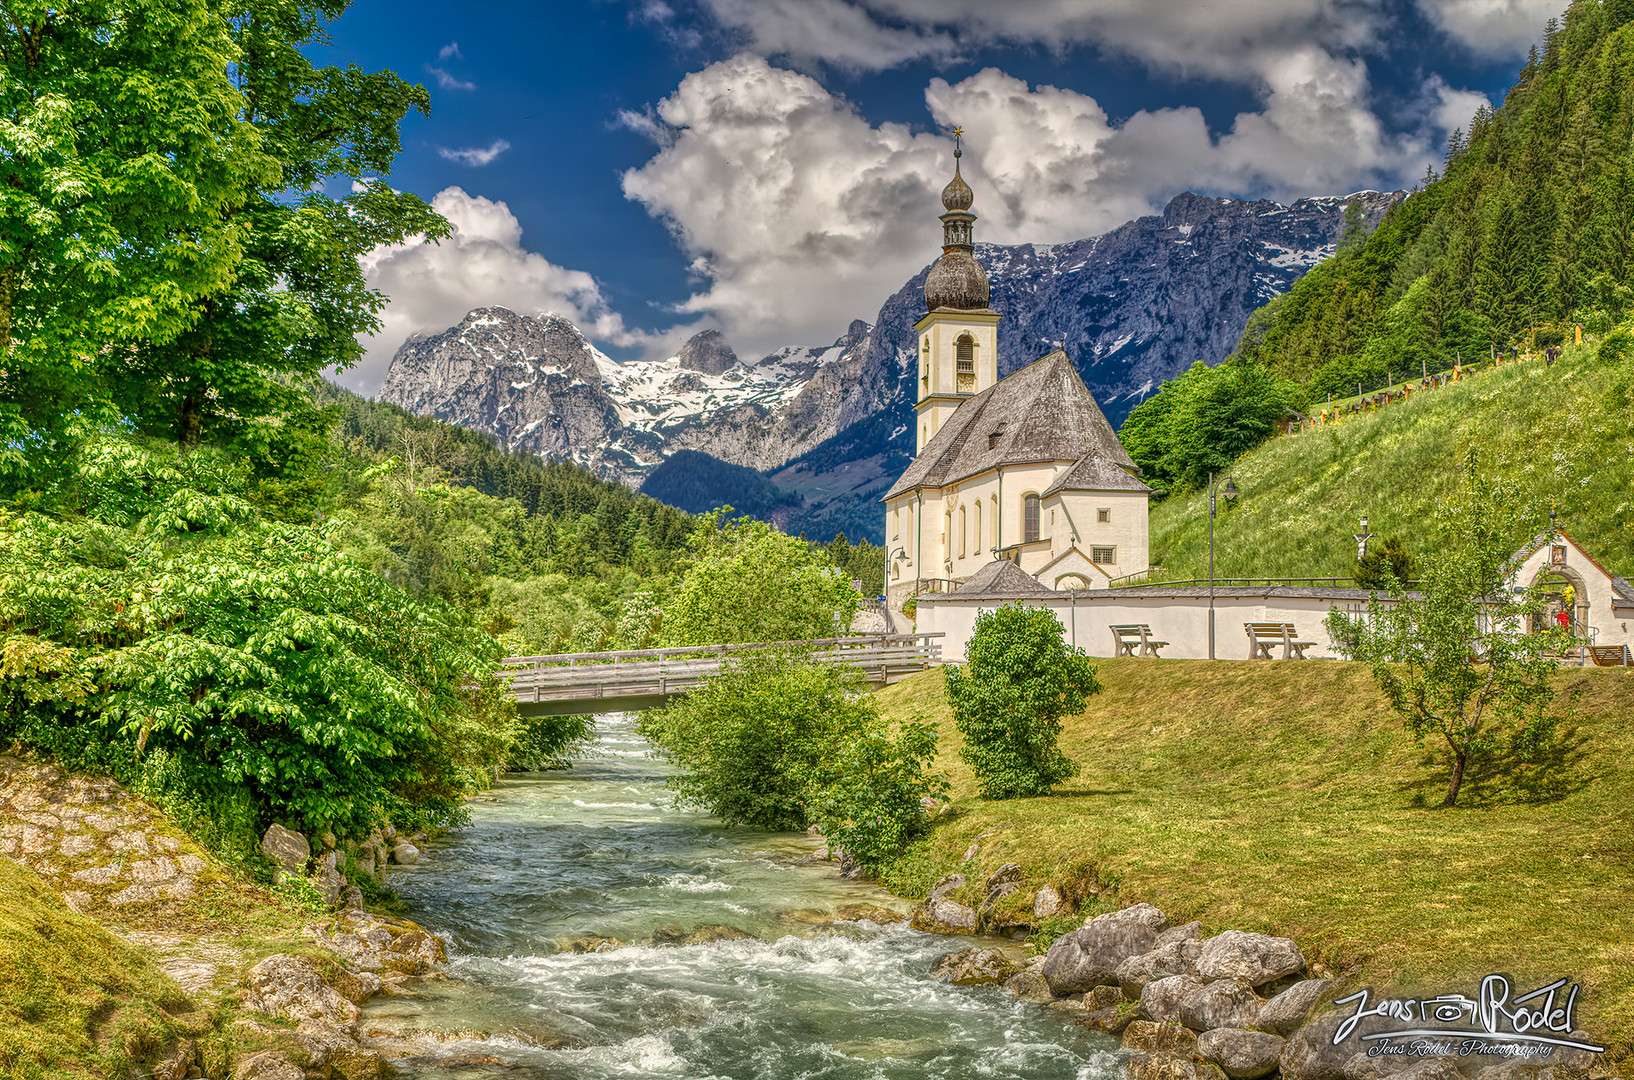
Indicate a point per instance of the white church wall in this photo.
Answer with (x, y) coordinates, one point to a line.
(1598, 616)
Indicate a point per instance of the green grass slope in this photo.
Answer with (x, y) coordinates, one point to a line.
(1285, 798)
(1565, 433)
(74, 999)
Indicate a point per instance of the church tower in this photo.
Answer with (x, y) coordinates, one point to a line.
(958, 336)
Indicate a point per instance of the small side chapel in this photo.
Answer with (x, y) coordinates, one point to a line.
(1018, 480)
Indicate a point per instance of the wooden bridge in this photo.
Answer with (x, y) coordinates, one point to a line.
(603, 682)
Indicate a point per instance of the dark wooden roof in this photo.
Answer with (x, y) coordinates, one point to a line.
(1042, 413)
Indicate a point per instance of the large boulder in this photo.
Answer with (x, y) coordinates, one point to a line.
(974, 967)
(267, 1066)
(292, 987)
(404, 853)
(1192, 931)
(1170, 1067)
(1162, 998)
(1256, 959)
(1224, 1003)
(328, 879)
(1089, 957)
(946, 885)
(1151, 1037)
(1288, 1010)
(287, 848)
(1175, 958)
(1049, 903)
(1029, 985)
(1241, 1054)
(941, 916)
(383, 943)
(1309, 1053)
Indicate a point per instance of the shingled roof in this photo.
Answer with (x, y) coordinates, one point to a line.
(1043, 412)
(1001, 577)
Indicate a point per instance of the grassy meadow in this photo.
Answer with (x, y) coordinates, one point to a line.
(1285, 798)
(1564, 433)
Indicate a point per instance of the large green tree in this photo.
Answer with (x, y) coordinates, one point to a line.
(297, 299)
(125, 160)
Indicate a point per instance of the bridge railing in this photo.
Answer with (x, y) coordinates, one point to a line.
(882, 657)
(521, 664)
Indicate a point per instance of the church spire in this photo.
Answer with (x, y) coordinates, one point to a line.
(957, 280)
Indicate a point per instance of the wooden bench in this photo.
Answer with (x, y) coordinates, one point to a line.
(1263, 635)
(1609, 655)
(1126, 638)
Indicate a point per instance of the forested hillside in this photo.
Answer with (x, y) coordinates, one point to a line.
(1529, 230)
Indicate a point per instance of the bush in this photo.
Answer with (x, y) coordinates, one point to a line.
(176, 639)
(1008, 700)
(1385, 566)
(777, 742)
(547, 742)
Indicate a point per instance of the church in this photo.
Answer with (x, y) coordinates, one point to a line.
(1016, 474)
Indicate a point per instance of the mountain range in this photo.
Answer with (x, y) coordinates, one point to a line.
(831, 424)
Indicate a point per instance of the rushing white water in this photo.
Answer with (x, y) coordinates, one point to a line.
(560, 859)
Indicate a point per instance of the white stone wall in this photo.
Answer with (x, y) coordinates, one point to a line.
(1181, 621)
(1598, 617)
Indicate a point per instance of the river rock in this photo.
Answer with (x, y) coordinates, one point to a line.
(1256, 959)
(287, 848)
(939, 916)
(351, 898)
(346, 1056)
(1309, 1053)
(1151, 1037)
(673, 935)
(292, 987)
(1224, 1003)
(1161, 998)
(1289, 1009)
(1089, 957)
(1008, 874)
(946, 885)
(1112, 1019)
(405, 853)
(1241, 1054)
(1048, 903)
(1192, 931)
(267, 1066)
(328, 880)
(974, 967)
(384, 943)
(1175, 958)
(1170, 1067)
(1029, 986)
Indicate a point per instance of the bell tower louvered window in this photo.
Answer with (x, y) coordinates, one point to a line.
(964, 358)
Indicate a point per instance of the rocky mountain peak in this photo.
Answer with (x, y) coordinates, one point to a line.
(707, 352)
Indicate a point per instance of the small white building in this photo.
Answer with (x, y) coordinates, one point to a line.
(1024, 469)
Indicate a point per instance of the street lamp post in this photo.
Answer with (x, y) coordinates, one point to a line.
(1230, 492)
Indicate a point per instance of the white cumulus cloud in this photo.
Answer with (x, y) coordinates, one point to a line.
(1492, 28)
(799, 214)
(475, 156)
(484, 263)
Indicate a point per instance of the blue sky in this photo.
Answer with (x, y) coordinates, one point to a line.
(651, 168)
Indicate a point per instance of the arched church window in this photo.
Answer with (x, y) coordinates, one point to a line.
(977, 532)
(963, 533)
(1029, 519)
(964, 356)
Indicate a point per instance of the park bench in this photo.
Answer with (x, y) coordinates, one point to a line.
(1263, 635)
(1126, 638)
(1609, 655)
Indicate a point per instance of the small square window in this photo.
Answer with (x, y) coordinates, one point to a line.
(1103, 555)
(1103, 515)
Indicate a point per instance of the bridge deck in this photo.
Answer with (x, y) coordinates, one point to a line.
(564, 683)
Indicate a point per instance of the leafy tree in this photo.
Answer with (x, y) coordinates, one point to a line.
(124, 158)
(778, 742)
(1386, 566)
(749, 582)
(1020, 679)
(1205, 419)
(172, 623)
(1458, 661)
(297, 300)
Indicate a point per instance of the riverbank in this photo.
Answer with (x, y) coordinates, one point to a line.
(128, 949)
(1284, 798)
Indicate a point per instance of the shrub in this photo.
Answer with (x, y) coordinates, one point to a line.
(1385, 565)
(776, 741)
(1008, 700)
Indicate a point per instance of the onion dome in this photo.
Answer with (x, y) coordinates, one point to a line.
(957, 280)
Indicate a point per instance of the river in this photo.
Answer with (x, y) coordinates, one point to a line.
(598, 851)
